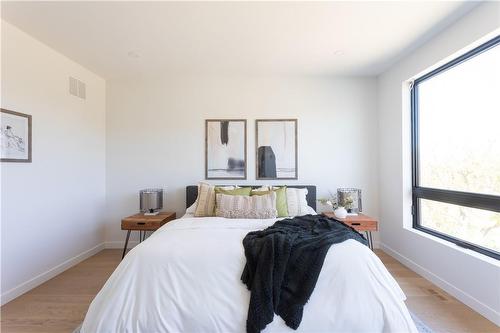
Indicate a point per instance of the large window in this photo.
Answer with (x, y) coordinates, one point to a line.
(456, 150)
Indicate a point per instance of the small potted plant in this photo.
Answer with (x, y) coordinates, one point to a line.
(331, 201)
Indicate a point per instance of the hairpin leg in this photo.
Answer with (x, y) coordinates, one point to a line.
(126, 243)
(369, 239)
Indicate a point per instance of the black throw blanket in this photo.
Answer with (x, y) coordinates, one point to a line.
(283, 265)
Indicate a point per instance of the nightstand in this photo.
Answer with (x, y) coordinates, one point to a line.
(359, 222)
(143, 223)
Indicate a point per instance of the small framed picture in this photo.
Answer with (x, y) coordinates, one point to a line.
(225, 149)
(15, 136)
(276, 148)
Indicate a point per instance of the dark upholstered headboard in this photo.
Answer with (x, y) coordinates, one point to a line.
(192, 193)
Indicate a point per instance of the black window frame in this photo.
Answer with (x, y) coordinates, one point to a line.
(467, 199)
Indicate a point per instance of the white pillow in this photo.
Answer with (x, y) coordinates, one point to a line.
(192, 208)
(262, 188)
(311, 210)
(246, 207)
(296, 201)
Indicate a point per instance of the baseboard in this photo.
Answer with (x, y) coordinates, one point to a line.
(464, 297)
(43, 277)
(119, 244)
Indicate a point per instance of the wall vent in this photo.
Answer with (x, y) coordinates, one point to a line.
(77, 88)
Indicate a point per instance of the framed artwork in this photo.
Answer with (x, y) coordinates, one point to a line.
(225, 149)
(276, 148)
(15, 136)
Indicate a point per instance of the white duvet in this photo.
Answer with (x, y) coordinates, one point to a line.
(186, 278)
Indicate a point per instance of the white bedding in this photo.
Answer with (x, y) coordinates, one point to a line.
(186, 278)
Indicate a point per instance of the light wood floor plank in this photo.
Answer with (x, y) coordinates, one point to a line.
(60, 304)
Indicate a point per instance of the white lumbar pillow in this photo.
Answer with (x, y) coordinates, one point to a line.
(246, 207)
(296, 201)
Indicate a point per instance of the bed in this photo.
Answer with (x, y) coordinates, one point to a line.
(186, 278)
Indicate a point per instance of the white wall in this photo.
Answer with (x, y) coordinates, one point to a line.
(52, 208)
(472, 278)
(155, 134)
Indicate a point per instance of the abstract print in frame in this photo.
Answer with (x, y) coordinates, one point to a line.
(15, 136)
(225, 149)
(276, 148)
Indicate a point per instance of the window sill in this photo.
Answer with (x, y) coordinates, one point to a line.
(453, 246)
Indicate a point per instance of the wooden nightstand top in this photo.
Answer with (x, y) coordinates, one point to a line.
(147, 222)
(359, 222)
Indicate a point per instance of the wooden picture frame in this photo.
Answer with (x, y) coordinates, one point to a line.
(267, 164)
(226, 149)
(16, 136)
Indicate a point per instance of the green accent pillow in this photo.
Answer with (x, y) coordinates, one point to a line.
(236, 191)
(281, 203)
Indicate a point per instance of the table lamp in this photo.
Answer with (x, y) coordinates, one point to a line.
(151, 201)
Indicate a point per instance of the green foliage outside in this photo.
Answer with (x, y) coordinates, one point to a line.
(469, 169)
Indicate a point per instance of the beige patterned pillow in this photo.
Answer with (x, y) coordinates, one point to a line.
(206, 199)
(246, 207)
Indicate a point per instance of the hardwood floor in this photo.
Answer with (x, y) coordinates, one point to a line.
(436, 308)
(59, 305)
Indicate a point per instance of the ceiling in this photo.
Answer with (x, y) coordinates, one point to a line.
(130, 39)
